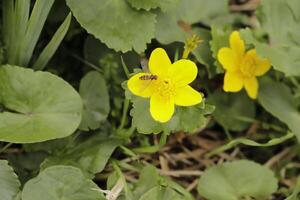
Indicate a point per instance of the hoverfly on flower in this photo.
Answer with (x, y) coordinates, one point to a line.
(166, 85)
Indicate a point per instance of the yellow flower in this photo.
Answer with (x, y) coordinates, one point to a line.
(241, 67)
(166, 85)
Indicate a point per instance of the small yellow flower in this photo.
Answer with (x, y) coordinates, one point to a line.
(241, 67)
(166, 85)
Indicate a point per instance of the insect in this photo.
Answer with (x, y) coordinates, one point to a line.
(148, 77)
(148, 80)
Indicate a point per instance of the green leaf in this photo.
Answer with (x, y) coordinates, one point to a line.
(189, 12)
(22, 8)
(277, 99)
(152, 186)
(237, 179)
(220, 38)
(15, 18)
(35, 25)
(9, 183)
(203, 53)
(115, 23)
(151, 4)
(41, 106)
(94, 93)
(184, 119)
(275, 14)
(61, 182)
(161, 193)
(91, 155)
(167, 29)
(52, 46)
(148, 179)
(232, 109)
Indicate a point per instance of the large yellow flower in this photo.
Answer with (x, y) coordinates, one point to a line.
(241, 67)
(166, 85)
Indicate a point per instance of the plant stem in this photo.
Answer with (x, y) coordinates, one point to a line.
(124, 114)
(5, 147)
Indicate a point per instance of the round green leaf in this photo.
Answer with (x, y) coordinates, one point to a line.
(9, 183)
(234, 180)
(95, 97)
(41, 106)
(61, 182)
(115, 23)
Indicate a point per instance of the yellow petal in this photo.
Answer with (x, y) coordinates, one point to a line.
(227, 58)
(251, 86)
(187, 96)
(263, 66)
(161, 108)
(183, 72)
(233, 82)
(237, 44)
(142, 88)
(159, 62)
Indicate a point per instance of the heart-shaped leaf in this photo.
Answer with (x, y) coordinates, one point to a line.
(234, 180)
(40, 106)
(61, 182)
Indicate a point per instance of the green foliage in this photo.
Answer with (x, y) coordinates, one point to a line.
(50, 49)
(232, 110)
(21, 31)
(277, 99)
(93, 91)
(203, 53)
(220, 37)
(134, 34)
(171, 25)
(237, 179)
(153, 186)
(185, 118)
(283, 58)
(113, 139)
(142, 25)
(41, 106)
(90, 155)
(275, 14)
(61, 182)
(9, 183)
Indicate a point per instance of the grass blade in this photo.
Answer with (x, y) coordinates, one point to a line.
(248, 142)
(22, 9)
(34, 28)
(8, 14)
(52, 46)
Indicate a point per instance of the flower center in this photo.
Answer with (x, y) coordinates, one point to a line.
(247, 67)
(166, 88)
